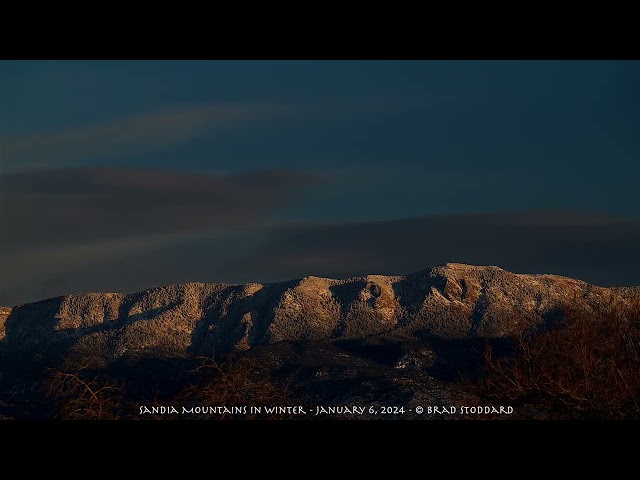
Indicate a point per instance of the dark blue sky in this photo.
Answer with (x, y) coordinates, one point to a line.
(100, 157)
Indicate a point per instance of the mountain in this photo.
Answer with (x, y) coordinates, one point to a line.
(450, 301)
(374, 341)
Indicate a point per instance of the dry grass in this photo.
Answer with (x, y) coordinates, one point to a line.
(588, 367)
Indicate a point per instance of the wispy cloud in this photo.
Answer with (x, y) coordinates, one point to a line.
(145, 132)
(596, 248)
(77, 206)
(150, 132)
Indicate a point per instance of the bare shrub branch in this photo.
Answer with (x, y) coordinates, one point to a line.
(80, 395)
(234, 382)
(586, 368)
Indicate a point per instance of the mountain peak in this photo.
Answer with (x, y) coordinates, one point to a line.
(452, 300)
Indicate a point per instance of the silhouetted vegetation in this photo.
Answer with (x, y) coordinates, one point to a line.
(82, 394)
(234, 382)
(586, 367)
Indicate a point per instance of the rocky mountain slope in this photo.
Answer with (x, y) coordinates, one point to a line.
(451, 301)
